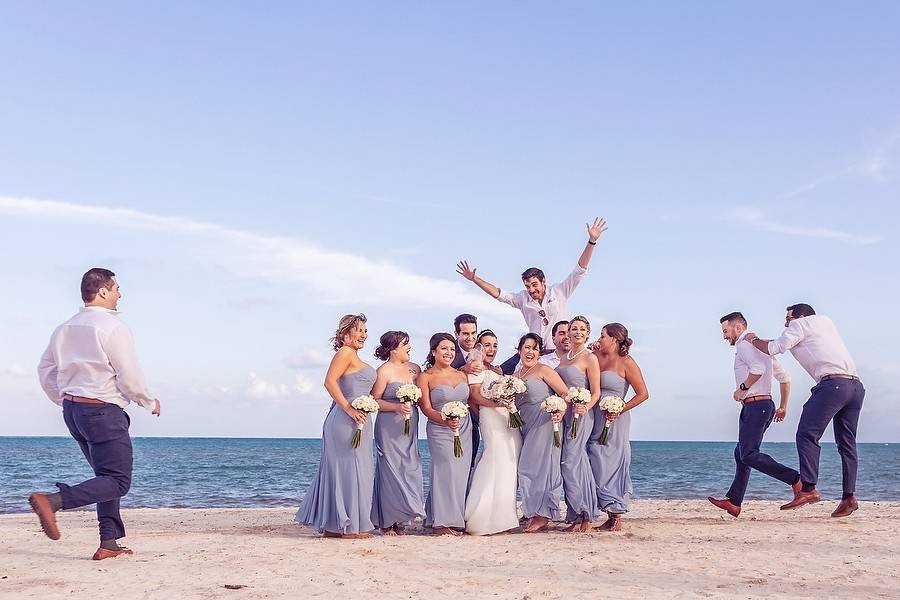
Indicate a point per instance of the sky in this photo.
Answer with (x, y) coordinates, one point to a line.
(252, 172)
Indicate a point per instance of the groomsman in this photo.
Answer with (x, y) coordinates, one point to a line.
(90, 369)
(753, 373)
(541, 306)
(837, 396)
(466, 328)
(561, 341)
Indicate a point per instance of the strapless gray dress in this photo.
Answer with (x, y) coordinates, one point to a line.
(445, 505)
(578, 479)
(399, 496)
(540, 478)
(340, 497)
(611, 462)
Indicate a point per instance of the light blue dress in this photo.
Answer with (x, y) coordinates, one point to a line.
(611, 462)
(445, 505)
(340, 497)
(540, 478)
(399, 495)
(578, 479)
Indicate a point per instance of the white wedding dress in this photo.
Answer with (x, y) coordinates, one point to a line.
(491, 503)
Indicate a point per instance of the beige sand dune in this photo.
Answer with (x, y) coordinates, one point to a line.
(669, 549)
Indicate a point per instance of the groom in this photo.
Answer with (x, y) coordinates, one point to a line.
(90, 369)
(541, 306)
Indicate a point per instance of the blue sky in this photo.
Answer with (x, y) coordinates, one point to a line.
(253, 172)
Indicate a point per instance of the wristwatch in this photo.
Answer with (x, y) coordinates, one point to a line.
(744, 387)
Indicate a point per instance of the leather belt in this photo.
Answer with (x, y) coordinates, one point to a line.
(755, 399)
(82, 399)
(839, 376)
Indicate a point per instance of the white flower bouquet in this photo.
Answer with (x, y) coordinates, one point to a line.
(455, 410)
(554, 405)
(367, 404)
(611, 404)
(577, 395)
(502, 391)
(408, 393)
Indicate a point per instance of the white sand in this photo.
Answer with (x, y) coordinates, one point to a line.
(669, 549)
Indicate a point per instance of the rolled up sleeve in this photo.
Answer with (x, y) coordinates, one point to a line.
(780, 373)
(792, 336)
(119, 347)
(568, 285)
(514, 300)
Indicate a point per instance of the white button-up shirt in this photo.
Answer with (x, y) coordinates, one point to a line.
(551, 359)
(554, 305)
(92, 355)
(750, 361)
(816, 344)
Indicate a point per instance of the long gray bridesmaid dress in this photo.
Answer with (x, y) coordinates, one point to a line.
(445, 505)
(340, 497)
(611, 462)
(399, 496)
(578, 479)
(540, 478)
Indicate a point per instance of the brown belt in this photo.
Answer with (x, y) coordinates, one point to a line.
(82, 399)
(755, 399)
(827, 377)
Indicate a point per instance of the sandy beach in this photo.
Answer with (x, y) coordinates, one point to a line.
(669, 549)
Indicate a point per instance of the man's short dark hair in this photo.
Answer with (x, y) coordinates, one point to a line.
(464, 318)
(557, 326)
(801, 310)
(93, 280)
(532, 272)
(734, 316)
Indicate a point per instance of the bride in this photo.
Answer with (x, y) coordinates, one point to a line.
(491, 503)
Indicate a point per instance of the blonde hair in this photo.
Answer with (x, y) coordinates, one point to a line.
(581, 319)
(345, 326)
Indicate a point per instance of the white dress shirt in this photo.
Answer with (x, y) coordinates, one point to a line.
(816, 344)
(551, 359)
(554, 305)
(92, 355)
(750, 361)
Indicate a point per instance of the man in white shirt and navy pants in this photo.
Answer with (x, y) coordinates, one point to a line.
(90, 369)
(837, 396)
(753, 374)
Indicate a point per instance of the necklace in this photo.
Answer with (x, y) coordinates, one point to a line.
(524, 374)
(571, 357)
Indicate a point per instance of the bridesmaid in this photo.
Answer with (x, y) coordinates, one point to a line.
(611, 462)
(339, 501)
(580, 368)
(399, 497)
(540, 479)
(445, 505)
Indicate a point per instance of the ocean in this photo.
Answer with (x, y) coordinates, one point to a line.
(249, 472)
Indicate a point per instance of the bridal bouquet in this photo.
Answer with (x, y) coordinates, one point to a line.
(577, 395)
(455, 410)
(367, 404)
(502, 391)
(408, 393)
(611, 404)
(554, 405)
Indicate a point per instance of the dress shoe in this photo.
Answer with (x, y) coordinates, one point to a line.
(726, 505)
(46, 515)
(846, 507)
(797, 487)
(102, 553)
(801, 498)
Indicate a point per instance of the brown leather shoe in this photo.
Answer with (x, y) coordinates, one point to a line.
(726, 505)
(801, 498)
(41, 507)
(102, 553)
(797, 487)
(846, 507)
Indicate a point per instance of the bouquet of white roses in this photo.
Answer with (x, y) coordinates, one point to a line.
(455, 410)
(611, 404)
(554, 405)
(408, 393)
(502, 391)
(367, 404)
(577, 395)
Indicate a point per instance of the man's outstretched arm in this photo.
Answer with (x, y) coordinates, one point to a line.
(469, 273)
(594, 233)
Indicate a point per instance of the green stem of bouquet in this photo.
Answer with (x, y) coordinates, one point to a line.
(457, 446)
(604, 434)
(357, 437)
(573, 432)
(557, 439)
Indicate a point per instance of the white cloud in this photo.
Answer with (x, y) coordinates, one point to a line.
(15, 371)
(260, 388)
(758, 219)
(335, 277)
(307, 359)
